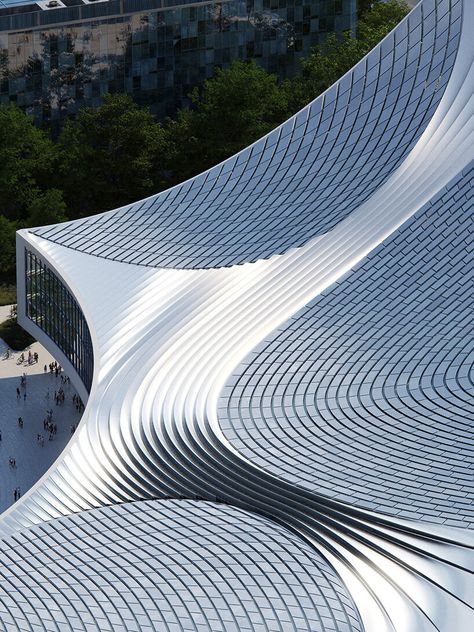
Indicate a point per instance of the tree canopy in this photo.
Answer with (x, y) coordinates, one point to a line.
(335, 56)
(110, 155)
(27, 163)
(117, 153)
(7, 248)
(233, 109)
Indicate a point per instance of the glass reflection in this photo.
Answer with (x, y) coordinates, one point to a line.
(52, 307)
(156, 54)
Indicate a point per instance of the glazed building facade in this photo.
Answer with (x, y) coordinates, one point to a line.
(52, 307)
(53, 60)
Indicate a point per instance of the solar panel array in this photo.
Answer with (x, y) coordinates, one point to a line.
(304, 177)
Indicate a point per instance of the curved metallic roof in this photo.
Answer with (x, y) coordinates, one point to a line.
(167, 342)
(304, 177)
(168, 565)
(366, 394)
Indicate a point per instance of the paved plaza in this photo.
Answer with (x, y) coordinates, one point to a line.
(32, 457)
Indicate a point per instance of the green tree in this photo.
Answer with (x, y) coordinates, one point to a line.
(365, 5)
(234, 108)
(28, 160)
(111, 155)
(382, 14)
(47, 208)
(185, 157)
(7, 249)
(336, 56)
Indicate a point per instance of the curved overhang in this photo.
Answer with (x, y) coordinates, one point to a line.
(303, 178)
(25, 244)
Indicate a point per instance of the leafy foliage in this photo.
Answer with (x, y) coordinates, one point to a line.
(27, 163)
(332, 59)
(110, 156)
(7, 294)
(15, 336)
(117, 153)
(7, 248)
(47, 208)
(234, 108)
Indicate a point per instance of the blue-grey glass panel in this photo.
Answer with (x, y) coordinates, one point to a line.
(169, 565)
(51, 306)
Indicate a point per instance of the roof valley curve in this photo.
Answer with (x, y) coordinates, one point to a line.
(319, 268)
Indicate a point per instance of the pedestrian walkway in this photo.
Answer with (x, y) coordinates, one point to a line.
(9, 367)
(26, 452)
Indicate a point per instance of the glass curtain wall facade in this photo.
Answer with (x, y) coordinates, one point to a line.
(51, 306)
(54, 61)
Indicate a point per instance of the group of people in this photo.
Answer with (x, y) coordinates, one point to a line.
(54, 368)
(32, 358)
(77, 401)
(21, 387)
(49, 426)
(59, 396)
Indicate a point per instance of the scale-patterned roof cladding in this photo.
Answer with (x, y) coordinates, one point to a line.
(304, 177)
(168, 565)
(366, 395)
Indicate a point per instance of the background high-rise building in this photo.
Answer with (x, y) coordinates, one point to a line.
(58, 55)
